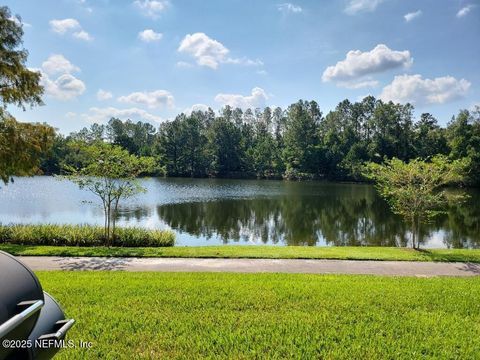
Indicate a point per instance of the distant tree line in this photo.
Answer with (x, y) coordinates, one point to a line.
(296, 143)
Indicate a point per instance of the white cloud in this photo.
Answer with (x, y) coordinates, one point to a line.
(58, 64)
(244, 61)
(65, 87)
(287, 8)
(356, 6)
(183, 64)
(196, 107)
(210, 52)
(416, 90)
(206, 51)
(70, 115)
(82, 35)
(70, 26)
(102, 115)
(465, 10)
(152, 99)
(64, 26)
(104, 95)
(257, 98)
(412, 15)
(152, 8)
(358, 63)
(148, 35)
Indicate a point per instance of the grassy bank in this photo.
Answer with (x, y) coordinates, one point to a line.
(279, 316)
(265, 252)
(82, 235)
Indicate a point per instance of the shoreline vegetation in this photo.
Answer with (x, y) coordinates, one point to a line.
(252, 252)
(82, 235)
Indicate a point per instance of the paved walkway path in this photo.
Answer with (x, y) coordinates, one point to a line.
(399, 268)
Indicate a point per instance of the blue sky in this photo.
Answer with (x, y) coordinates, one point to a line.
(152, 59)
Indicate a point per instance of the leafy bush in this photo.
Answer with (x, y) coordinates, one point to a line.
(82, 235)
(293, 174)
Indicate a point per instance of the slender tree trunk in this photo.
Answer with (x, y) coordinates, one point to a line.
(108, 226)
(417, 227)
(414, 232)
(105, 214)
(109, 212)
(104, 219)
(114, 218)
(114, 214)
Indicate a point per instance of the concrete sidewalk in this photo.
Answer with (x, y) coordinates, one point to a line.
(393, 268)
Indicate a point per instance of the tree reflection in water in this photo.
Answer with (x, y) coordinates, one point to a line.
(340, 215)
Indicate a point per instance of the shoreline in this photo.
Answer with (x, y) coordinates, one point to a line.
(279, 179)
(252, 252)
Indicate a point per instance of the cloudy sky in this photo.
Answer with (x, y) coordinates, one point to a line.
(151, 59)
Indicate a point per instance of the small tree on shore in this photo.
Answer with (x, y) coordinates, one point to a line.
(416, 190)
(111, 174)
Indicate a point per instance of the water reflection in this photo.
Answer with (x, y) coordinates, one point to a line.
(133, 214)
(326, 220)
(210, 212)
(462, 225)
(347, 215)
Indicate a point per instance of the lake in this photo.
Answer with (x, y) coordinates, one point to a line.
(214, 211)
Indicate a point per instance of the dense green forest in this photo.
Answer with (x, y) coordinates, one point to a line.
(296, 143)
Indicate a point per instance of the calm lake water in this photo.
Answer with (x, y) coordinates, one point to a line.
(212, 212)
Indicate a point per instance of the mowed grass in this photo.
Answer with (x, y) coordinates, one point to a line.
(276, 316)
(265, 252)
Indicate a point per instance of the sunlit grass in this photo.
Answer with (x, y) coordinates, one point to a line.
(265, 252)
(278, 316)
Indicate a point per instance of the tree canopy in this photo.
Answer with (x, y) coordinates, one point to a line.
(22, 146)
(18, 85)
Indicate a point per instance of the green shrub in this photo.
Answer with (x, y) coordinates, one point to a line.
(138, 237)
(82, 235)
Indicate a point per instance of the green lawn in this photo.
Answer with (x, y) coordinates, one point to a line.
(267, 252)
(278, 316)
